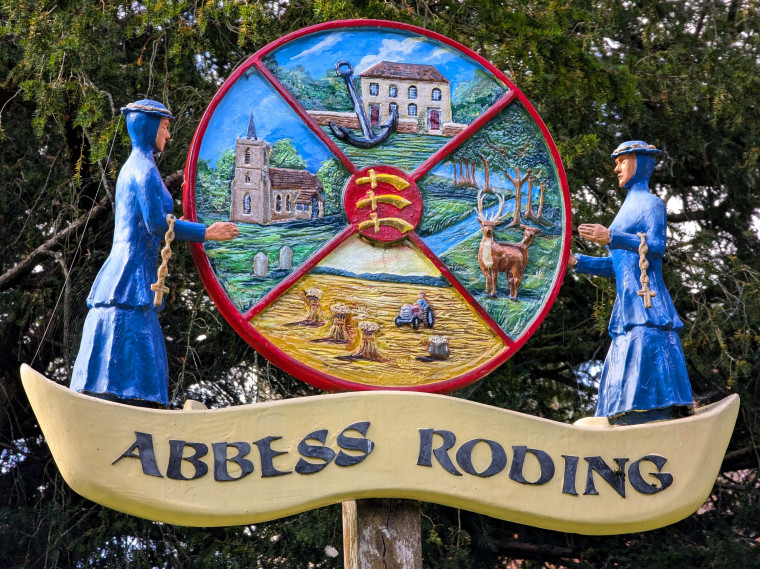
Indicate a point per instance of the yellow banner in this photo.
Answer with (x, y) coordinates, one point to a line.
(253, 463)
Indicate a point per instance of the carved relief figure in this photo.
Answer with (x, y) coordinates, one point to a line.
(122, 355)
(644, 376)
(508, 258)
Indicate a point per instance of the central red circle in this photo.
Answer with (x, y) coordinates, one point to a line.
(387, 212)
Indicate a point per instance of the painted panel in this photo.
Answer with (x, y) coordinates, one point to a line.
(259, 165)
(389, 66)
(507, 152)
(352, 155)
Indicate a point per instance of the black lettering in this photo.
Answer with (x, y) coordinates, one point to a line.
(267, 455)
(176, 449)
(313, 451)
(568, 482)
(144, 444)
(518, 460)
(441, 453)
(498, 458)
(641, 485)
(363, 445)
(615, 478)
(221, 459)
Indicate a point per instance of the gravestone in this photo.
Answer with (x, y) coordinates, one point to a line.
(286, 258)
(260, 265)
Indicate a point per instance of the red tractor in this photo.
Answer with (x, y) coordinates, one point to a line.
(415, 313)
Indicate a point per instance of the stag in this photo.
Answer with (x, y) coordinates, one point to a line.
(508, 258)
(492, 257)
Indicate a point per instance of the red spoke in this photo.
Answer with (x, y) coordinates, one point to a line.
(306, 117)
(460, 138)
(461, 289)
(307, 265)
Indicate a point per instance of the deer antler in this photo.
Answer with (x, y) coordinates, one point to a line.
(498, 214)
(479, 209)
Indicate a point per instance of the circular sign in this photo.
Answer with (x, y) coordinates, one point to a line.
(404, 216)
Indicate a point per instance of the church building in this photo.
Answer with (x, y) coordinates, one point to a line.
(263, 194)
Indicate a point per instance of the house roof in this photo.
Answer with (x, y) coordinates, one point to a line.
(304, 181)
(391, 70)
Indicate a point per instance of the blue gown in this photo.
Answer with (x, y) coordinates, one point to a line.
(645, 369)
(122, 354)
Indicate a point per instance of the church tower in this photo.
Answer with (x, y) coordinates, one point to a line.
(251, 196)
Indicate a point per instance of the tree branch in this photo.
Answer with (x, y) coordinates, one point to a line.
(175, 180)
(689, 216)
(24, 267)
(740, 459)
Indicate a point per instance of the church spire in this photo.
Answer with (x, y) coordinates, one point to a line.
(251, 128)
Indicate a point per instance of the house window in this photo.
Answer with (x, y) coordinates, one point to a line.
(436, 94)
(247, 204)
(413, 92)
(287, 203)
(278, 203)
(392, 91)
(374, 89)
(393, 107)
(412, 110)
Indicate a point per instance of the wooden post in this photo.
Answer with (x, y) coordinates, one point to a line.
(382, 534)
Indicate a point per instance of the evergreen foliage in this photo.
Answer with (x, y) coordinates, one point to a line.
(285, 155)
(680, 75)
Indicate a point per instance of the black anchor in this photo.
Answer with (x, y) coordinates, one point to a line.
(345, 71)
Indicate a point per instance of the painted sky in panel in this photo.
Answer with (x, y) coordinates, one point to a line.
(364, 47)
(273, 117)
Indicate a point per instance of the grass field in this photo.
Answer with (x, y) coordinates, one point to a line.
(233, 260)
(512, 316)
(404, 151)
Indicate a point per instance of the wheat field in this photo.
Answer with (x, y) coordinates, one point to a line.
(471, 341)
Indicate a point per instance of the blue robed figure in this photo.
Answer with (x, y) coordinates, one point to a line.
(122, 355)
(644, 377)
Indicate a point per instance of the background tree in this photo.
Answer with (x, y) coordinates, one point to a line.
(285, 155)
(681, 75)
(333, 177)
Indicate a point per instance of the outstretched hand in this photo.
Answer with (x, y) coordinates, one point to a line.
(222, 231)
(595, 232)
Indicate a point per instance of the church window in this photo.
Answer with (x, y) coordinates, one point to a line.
(247, 155)
(287, 203)
(247, 204)
(247, 178)
(412, 110)
(374, 89)
(278, 203)
(412, 92)
(436, 94)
